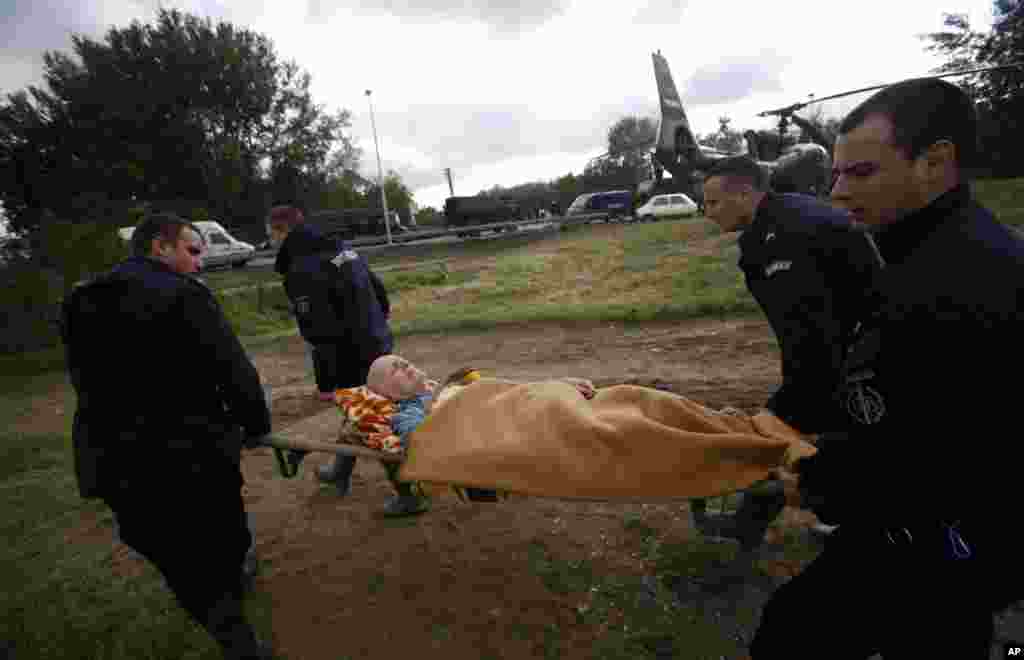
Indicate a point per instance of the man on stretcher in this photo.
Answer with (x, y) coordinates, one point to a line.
(397, 398)
(561, 438)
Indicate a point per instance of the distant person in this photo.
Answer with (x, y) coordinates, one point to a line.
(924, 479)
(811, 273)
(342, 309)
(167, 397)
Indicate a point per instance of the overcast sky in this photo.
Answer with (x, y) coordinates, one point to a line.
(507, 94)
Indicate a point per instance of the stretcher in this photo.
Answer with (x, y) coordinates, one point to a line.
(517, 470)
(281, 445)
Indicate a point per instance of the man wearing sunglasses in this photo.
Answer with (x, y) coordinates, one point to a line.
(166, 399)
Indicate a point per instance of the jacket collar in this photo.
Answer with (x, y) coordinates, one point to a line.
(762, 213)
(897, 240)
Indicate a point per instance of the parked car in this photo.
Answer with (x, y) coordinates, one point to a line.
(222, 249)
(617, 204)
(659, 207)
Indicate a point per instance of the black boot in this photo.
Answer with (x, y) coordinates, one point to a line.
(755, 515)
(338, 472)
(406, 503)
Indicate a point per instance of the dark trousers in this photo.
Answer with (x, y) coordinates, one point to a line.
(747, 524)
(191, 524)
(335, 367)
(866, 595)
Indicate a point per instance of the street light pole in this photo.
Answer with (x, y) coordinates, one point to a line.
(380, 171)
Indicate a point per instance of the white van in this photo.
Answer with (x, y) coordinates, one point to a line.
(222, 248)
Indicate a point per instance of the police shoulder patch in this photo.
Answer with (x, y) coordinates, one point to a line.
(344, 256)
(776, 266)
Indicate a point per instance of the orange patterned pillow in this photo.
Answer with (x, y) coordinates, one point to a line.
(366, 419)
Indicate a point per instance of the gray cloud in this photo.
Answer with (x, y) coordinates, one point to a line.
(659, 12)
(30, 28)
(734, 78)
(460, 136)
(504, 18)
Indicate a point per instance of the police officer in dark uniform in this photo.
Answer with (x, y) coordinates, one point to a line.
(342, 308)
(811, 273)
(166, 399)
(922, 480)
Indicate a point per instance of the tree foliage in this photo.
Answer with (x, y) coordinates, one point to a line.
(180, 109)
(999, 95)
(724, 139)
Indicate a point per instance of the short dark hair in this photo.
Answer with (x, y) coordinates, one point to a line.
(922, 112)
(739, 169)
(286, 215)
(165, 226)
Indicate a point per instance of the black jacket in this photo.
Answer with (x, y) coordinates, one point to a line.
(336, 297)
(933, 394)
(162, 382)
(811, 272)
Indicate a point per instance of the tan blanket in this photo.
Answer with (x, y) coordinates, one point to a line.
(544, 439)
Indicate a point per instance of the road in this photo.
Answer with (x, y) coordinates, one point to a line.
(268, 260)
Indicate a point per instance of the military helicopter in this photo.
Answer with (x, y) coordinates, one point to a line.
(802, 167)
(791, 166)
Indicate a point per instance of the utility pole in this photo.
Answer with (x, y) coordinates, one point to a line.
(448, 173)
(380, 172)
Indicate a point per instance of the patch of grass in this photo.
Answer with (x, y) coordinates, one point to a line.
(1004, 197)
(405, 281)
(459, 250)
(19, 370)
(23, 453)
(63, 600)
(258, 311)
(643, 617)
(376, 583)
(560, 577)
(231, 278)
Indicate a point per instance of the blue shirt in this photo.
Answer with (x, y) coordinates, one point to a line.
(410, 414)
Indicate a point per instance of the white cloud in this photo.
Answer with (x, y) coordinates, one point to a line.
(503, 19)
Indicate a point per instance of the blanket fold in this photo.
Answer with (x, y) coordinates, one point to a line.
(628, 442)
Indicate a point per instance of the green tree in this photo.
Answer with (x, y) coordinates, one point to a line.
(999, 95)
(630, 136)
(724, 139)
(400, 198)
(428, 216)
(567, 185)
(300, 140)
(181, 109)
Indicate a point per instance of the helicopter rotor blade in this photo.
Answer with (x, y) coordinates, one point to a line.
(790, 109)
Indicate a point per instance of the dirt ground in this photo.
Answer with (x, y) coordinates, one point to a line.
(460, 581)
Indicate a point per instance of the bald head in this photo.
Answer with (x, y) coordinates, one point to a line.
(394, 377)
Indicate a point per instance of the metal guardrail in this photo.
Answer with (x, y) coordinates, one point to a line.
(412, 237)
(384, 269)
